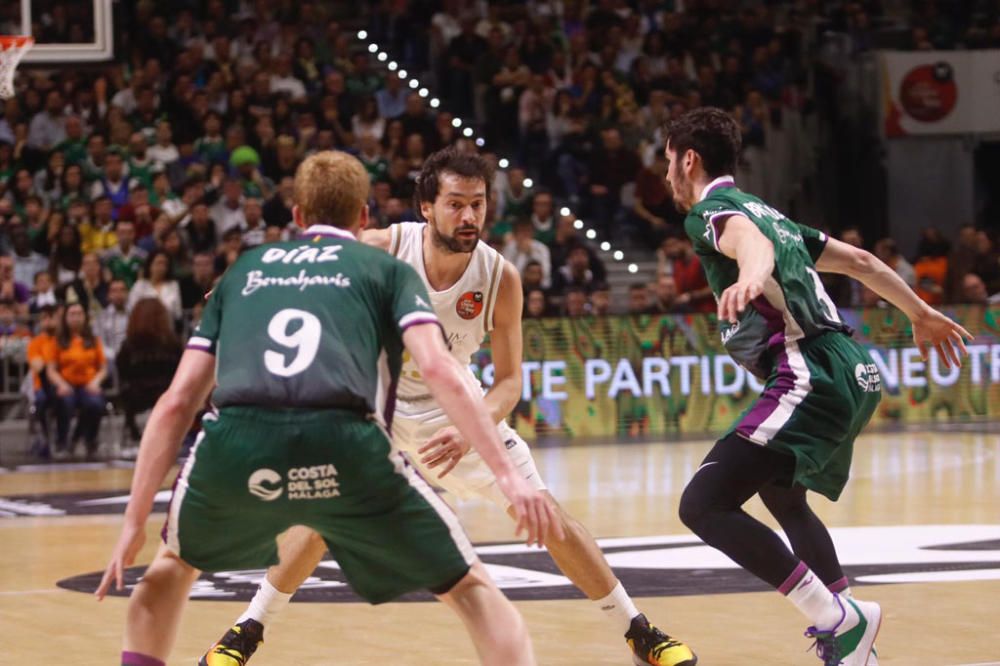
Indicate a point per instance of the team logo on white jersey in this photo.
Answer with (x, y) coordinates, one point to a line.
(469, 304)
(265, 484)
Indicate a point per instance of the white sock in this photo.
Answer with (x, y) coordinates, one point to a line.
(804, 589)
(266, 604)
(618, 607)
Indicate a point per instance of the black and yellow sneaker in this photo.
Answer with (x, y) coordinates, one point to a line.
(236, 647)
(652, 647)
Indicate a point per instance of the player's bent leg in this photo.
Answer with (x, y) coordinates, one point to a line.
(811, 541)
(155, 607)
(494, 625)
(809, 537)
(580, 558)
(300, 549)
(711, 507)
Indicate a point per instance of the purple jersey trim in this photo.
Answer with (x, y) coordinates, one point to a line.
(770, 399)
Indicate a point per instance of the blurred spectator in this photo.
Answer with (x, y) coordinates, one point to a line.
(693, 292)
(76, 370)
(611, 168)
(961, 261)
(10, 327)
(164, 151)
(278, 209)
(974, 291)
(10, 289)
(48, 128)
(113, 320)
(146, 360)
(200, 229)
(26, 261)
(535, 304)
(931, 266)
(987, 263)
(886, 250)
(576, 273)
(158, 282)
(113, 182)
(531, 277)
(523, 248)
(600, 300)
(229, 250)
(43, 294)
(543, 217)
(195, 287)
(172, 243)
(40, 352)
(67, 256)
(253, 221)
(98, 234)
(227, 213)
(125, 260)
(89, 289)
(653, 205)
(665, 293)
(638, 299)
(391, 99)
(575, 302)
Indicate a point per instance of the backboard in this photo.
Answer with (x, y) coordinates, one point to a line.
(73, 31)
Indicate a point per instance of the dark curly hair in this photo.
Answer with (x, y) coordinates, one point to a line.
(710, 132)
(450, 160)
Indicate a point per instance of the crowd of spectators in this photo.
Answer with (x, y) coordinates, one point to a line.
(139, 181)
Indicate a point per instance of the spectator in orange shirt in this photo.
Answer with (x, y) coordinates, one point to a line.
(931, 266)
(76, 371)
(40, 353)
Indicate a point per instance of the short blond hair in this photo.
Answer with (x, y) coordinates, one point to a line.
(331, 187)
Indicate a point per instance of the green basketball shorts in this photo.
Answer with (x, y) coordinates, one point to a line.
(820, 395)
(256, 472)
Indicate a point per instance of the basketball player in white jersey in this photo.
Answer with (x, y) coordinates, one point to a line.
(474, 291)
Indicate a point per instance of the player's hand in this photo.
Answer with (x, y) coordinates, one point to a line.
(737, 297)
(934, 330)
(446, 447)
(534, 511)
(130, 541)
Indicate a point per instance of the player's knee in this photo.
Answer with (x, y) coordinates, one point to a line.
(694, 510)
(784, 504)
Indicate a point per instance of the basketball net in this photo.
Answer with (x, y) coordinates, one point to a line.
(12, 49)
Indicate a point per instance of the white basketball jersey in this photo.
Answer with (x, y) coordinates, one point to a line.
(465, 309)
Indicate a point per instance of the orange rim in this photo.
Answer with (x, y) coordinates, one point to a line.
(15, 41)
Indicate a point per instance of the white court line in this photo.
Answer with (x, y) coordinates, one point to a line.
(984, 663)
(12, 593)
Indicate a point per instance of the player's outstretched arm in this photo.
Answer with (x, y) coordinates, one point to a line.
(464, 406)
(931, 329)
(167, 425)
(740, 239)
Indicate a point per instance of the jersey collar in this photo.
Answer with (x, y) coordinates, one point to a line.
(721, 181)
(328, 230)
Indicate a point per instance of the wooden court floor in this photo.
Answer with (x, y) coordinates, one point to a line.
(918, 530)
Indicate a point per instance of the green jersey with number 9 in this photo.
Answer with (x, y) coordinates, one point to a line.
(311, 323)
(794, 305)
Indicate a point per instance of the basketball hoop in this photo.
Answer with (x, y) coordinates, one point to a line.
(12, 49)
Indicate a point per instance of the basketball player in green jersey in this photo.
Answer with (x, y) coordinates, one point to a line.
(300, 341)
(821, 387)
(456, 266)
